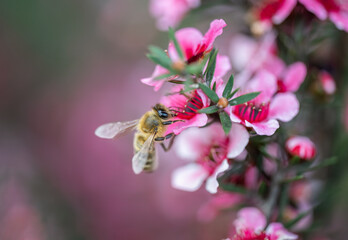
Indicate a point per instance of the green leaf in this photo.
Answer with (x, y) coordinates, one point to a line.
(243, 98)
(176, 81)
(225, 122)
(233, 93)
(228, 87)
(175, 41)
(159, 57)
(195, 68)
(166, 75)
(210, 93)
(209, 110)
(293, 222)
(325, 163)
(209, 72)
(293, 179)
(214, 87)
(232, 188)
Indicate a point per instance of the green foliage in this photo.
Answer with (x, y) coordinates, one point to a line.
(228, 87)
(243, 98)
(209, 92)
(172, 37)
(225, 122)
(209, 110)
(209, 72)
(159, 56)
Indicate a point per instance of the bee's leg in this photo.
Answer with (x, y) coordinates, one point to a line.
(171, 136)
(171, 122)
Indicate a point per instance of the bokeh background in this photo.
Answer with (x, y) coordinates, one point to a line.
(67, 67)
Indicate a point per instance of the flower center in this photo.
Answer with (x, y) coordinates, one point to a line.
(214, 155)
(251, 235)
(281, 86)
(252, 112)
(191, 107)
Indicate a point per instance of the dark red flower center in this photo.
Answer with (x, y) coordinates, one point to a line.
(250, 235)
(190, 108)
(252, 112)
(200, 51)
(281, 86)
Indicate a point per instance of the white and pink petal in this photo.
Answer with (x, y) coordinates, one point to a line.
(189, 178)
(239, 138)
(267, 127)
(284, 107)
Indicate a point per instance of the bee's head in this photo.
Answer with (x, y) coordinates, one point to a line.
(162, 111)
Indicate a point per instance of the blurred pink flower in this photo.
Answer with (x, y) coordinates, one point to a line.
(219, 201)
(249, 56)
(331, 9)
(327, 82)
(276, 11)
(251, 224)
(169, 13)
(262, 113)
(301, 146)
(194, 46)
(289, 78)
(208, 149)
(186, 108)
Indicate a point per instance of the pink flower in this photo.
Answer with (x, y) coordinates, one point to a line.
(219, 201)
(262, 113)
(194, 46)
(208, 149)
(276, 11)
(324, 9)
(250, 224)
(327, 82)
(301, 147)
(169, 13)
(289, 78)
(249, 56)
(186, 108)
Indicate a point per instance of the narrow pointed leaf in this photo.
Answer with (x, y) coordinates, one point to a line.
(228, 87)
(293, 222)
(209, 110)
(175, 42)
(225, 122)
(209, 72)
(166, 75)
(210, 93)
(214, 87)
(232, 93)
(243, 98)
(232, 188)
(159, 57)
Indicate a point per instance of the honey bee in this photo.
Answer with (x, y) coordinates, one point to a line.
(150, 128)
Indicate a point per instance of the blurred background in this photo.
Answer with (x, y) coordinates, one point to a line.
(67, 67)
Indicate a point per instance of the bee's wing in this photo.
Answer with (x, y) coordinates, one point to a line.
(140, 158)
(116, 129)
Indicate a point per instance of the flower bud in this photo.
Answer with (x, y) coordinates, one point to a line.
(327, 83)
(222, 103)
(179, 65)
(301, 147)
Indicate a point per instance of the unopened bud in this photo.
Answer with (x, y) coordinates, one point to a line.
(301, 147)
(179, 65)
(222, 103)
